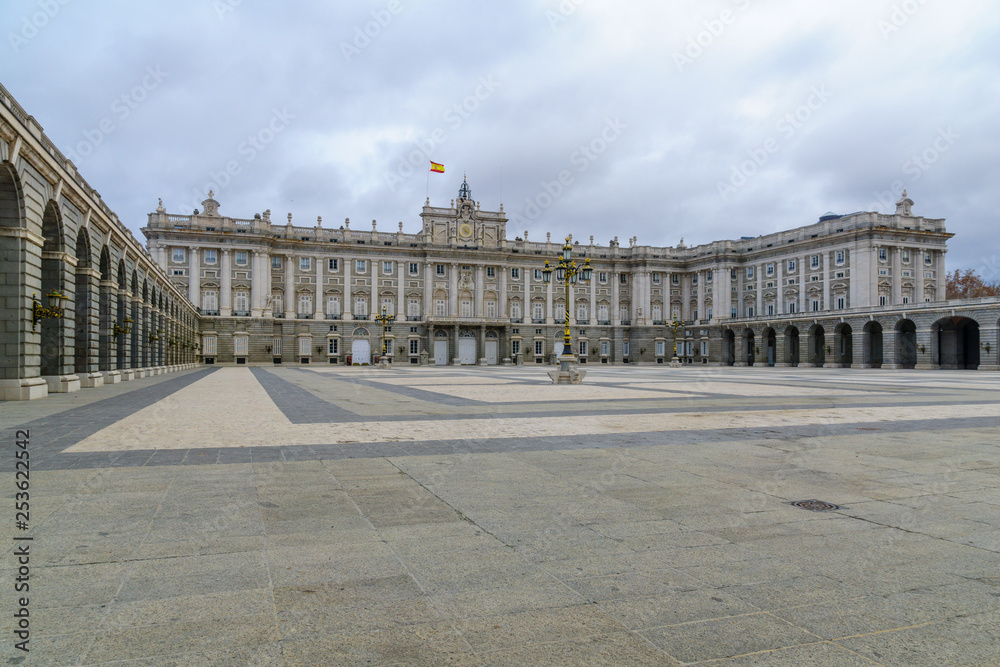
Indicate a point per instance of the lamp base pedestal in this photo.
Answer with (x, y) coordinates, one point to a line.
(675, 363)
(568, 372)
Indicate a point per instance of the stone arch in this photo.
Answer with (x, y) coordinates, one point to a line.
(86, 299)
(906, 344)
(728, 348)
(957, 342)
(816, 346)
(13, 249)
(792, 354)
(57, 333)
(872, 344)
(843, 345)
(748, 348)
(769, 346)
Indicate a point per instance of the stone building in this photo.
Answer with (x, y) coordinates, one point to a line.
(462, 292)
(61, 247)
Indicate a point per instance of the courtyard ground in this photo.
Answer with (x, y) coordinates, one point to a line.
(481, 516)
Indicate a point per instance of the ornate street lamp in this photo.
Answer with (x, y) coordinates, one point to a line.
(567, 271)
(54, 309)
(119, 330)
(674, 326)
(385, 319)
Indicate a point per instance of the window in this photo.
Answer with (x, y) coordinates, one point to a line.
(840, 257)
(814, 261)
(440, 308)
(694, 279)
(465, 308)
(883, 254)
(178, 255)
(515, 310)
(305, 304)
(602, 277)
(583, 348)
(361, 306)
(388, 306)
(928, 274)
(769, 283)
(491, 309)
(537, 310)
(750, 311)
(539, 348)
(841, 303)
(178, 272)
(209, 345)
(277, 303)
(413, 307)
(333, 345)
(538, 275)
(734, 314)
(883, 272)
(360, 266)
(275, 261)
(333, 305)
(515, 273)
(332, 264)
(276, 346)
(790, 308)
(709, 313)
(928, 260)
(675, 313)
(210, 301)
(305, 346)
(211, 257)
(814, 279)
(602, 313)
(605, 348)
(906, 256)
(439, 269)
(241, 301)
(625, 348)
(769, 270)
(515, 347)
(882, 300)
(840, 274)
(770, 309)
(623, 278)
(710, 276)
(241, 257)
(815, 305)
(414, 346)
(704, 348)
(414, 268)
(387, 268)
(305, 263)
(750, 272)
(791, 266)
(656, 278)
(661, 347)
(906, 300)
(732, 276)
(907, 274)
(581, 311)
(491, 272)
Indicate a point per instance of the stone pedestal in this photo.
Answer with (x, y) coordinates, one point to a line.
(482, 362)
(92, 380)
(62, 384)
(128, 374)
(24, 389)
(568, 372)
(861, 365)
(782, 365)
(675, 363)
(112, 377)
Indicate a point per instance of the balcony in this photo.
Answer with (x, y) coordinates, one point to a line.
(210, 313)
(279, 316)
(413, 318)
(333, 316)
(538, 320)
(659, 323)
(626, 323)
(583, 322)
(517, 320)
(241, 313)
(304, 316)
(604, 323)
(360, 318)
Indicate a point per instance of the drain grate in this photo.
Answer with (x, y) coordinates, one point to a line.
(815, 505)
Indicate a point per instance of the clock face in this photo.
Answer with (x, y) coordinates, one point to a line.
(465, 230)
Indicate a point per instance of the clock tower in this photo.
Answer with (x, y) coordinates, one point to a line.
(464, 223)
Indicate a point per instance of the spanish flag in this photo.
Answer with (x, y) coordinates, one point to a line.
(437, 168)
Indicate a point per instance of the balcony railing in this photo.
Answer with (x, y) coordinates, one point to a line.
(626, 323)
(517, 320)
(538, 320)
(360, 317)
(583, 322)
(659, 323)
(604, 323)
(333, 316)
(241, 313)
(304, 316)
(210, 313)
(413, 318)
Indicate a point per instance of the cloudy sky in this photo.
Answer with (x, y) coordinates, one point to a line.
(667, 119)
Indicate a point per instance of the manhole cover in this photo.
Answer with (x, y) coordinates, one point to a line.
(816, 505)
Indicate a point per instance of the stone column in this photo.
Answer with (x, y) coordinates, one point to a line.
(824, 262)
(989, 361)
(761, 277)
(319, 307)
(802, 284)
(685, 296)
(571, 305)
(348, 305)
(917, 268)
(927, 358)
(256, 285)
(897, 276)
(858, 337)
(429, 295)
(779, 281)
(457, 360)
(289, 286)
(940, 276)
(108, 313)
(453, 296)
(194, 276)
(478, 312)
(401, 291)
(701, 294)
(549, 316)
(502, 305)
(615, 311)
(268, 309)
(226, 290)
(592, 314)
(527, 313)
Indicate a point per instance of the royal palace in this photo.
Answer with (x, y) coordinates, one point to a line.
(85, 303)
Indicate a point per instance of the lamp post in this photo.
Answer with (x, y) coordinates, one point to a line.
(674, 326)
(567, 271)
(385, 319)
(54, 309)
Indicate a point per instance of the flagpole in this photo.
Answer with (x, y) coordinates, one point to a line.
(501, 185)
(428, 184)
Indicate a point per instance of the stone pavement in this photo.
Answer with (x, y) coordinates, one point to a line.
(470, 516)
